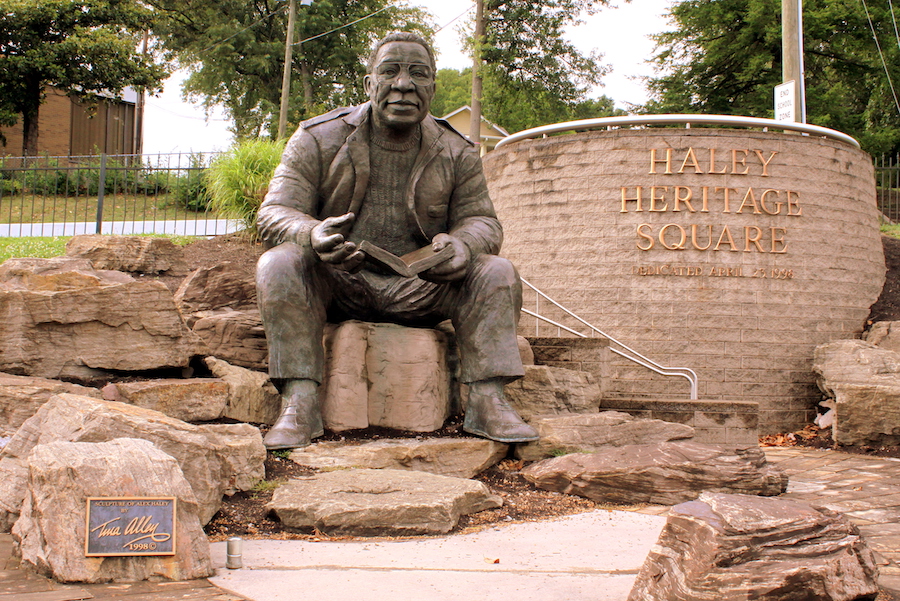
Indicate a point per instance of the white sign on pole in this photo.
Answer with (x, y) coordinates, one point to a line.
(785, 107)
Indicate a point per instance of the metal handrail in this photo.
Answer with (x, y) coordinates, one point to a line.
(629, 353)
(687, 120)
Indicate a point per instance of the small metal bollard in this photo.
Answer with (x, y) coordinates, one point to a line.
(233, 553)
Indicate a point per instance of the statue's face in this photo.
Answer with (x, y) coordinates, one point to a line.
(401, 85)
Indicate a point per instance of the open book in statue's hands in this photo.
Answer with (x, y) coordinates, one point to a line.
(409, 265)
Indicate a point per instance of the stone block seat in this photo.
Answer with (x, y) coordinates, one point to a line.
(382, 374)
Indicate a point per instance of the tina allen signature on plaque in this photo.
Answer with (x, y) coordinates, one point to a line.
(130, 526)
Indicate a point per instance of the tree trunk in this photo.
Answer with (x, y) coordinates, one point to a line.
(30, 118)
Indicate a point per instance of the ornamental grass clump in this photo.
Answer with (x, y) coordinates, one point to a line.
(237, 180)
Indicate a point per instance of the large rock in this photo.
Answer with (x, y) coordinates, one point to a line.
(379, 502)
(553, 390)
(884, 334)
(251, 395)
(190, 400)
(854, 361)
(141, 254)
(50, 534)
(237, 337)
(386, 375)
(13, 487)
(217, 459)
(73, 323)
(864, 381)
(56, 274)
(226, 285)
(458, 457)
(666, 474)
(591, 432)
(724, 547)
(22, 396)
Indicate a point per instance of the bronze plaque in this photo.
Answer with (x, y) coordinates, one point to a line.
(130, 526)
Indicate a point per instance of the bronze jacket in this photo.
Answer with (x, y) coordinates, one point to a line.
(324, 172)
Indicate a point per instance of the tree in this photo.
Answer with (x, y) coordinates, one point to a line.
(532, 75)
(724, 57)
(454, 90)
(82, 47)
(234, 50)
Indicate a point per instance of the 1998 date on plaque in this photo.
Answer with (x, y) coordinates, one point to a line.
(773, 273)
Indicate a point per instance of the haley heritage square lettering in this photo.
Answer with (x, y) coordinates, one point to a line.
(733, 200)
(130, 526)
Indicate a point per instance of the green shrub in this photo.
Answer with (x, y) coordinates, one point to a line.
(237, 180)
(191, 191)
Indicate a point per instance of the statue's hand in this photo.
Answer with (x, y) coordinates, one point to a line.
(453, 268)
(327, 239)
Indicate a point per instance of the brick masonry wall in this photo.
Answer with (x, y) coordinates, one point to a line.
(54, 128)
(740, 288)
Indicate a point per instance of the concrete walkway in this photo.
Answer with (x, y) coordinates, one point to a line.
(594, 556)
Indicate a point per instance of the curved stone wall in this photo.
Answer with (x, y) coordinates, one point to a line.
(731, 252)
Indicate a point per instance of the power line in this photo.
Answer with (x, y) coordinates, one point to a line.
(460, 15)
(341, 27)
(881, 54)
(894, 20)
(254, 24)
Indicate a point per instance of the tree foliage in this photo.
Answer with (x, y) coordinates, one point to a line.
(533, 75)
(81, 47)
(454, 89)
(234, 50)
(724, 57)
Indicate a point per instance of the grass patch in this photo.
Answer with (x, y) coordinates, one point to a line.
(892, 230)
(51, 246)
(267, 485)
(32, 208)
(55, 246)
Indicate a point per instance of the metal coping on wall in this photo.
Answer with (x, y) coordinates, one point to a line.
(686, 120)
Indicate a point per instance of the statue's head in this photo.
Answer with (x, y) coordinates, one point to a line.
(400, 80)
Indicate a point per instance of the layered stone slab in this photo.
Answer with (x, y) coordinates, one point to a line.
(458, 457)
(379, 502)
(136, 254)
(190, 400)
(66, 320)
(22, 396)
(725, 546)
(714, 422)
(666, 474)
(592, 432)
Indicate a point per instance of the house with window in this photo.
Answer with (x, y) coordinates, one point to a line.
(491, 133)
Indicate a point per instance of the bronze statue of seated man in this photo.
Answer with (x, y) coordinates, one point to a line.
(388, 173)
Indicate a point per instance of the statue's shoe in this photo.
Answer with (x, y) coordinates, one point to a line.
(300, 421)
(492, 417)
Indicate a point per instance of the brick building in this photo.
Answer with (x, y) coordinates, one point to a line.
(68, 127)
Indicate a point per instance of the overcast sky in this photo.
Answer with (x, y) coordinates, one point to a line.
(620, 34)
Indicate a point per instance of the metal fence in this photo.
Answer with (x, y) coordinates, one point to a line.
(887, 186)
(108, 194)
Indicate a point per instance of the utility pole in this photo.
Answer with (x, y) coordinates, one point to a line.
(286, 76)
(792, 52)
(138, 142)
(475, 123)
